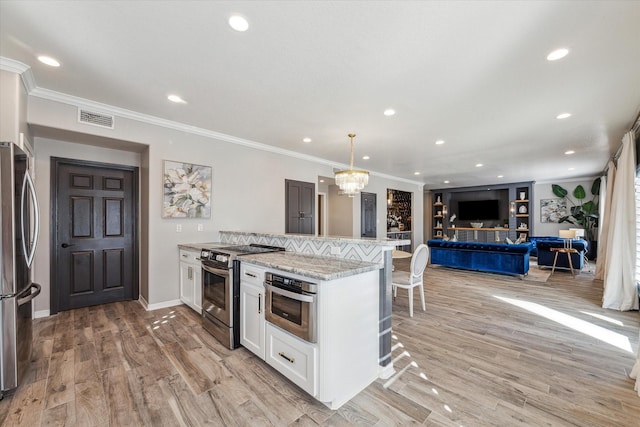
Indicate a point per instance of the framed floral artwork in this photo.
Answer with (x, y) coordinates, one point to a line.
(551, 210)
(187, 190)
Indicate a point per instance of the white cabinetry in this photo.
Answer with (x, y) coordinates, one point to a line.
(252, 323)
(344, 360)
(293, 357)
(191, 279)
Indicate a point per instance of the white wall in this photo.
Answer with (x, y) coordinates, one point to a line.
(247, 195)
(340, 213)
(542, 190)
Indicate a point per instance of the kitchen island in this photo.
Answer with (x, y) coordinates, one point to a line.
(361, 249)
(323, 334)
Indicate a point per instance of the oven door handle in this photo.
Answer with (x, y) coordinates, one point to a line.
(293, 295)
(218, 271)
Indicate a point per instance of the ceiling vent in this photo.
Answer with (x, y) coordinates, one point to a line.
(96, 119)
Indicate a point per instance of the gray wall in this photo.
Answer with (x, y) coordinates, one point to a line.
(542, 190)
(247, 194)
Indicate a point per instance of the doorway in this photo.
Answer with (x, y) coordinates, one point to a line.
(322, 214)
(368, 217)
(300, 207)
(94, 248)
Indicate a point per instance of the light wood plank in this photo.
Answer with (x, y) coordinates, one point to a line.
(471, 359)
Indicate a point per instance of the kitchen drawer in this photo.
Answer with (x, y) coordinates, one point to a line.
(251, 274)
(294, 358)
(190, 256)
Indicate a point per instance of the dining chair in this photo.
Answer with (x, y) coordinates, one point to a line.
(413, 278)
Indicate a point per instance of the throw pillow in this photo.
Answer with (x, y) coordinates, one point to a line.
(518, 241)
(508, 241)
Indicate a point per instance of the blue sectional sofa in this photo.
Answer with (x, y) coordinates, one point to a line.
(546, 255)
(490, 257)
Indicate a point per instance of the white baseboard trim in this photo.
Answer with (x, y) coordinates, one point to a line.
(41, 313)
(159, 305)
(385, 372)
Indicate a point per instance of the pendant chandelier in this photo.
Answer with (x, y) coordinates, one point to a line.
(351, 181)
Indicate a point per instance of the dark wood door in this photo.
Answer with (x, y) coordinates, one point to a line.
(300, 207)
(94, 217)
(368, 215)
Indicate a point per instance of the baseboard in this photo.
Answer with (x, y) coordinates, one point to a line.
(385, 372)
(159, 305)
(41, 313)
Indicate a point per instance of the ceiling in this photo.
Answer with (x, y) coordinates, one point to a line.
(471, 73)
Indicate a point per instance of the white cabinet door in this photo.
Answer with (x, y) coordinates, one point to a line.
(197, 288)
(252, 318)
(191, 279)
(186, 283)
(292, 357)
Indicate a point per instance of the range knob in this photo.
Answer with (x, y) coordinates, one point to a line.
(222, 258)
(204, 254)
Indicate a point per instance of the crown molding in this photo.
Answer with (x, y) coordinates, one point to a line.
(29, 82)
(8, 64)
(194, 130)
(13, 66)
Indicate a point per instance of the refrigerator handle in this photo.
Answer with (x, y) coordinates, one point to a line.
(27, 184)
(31, 295)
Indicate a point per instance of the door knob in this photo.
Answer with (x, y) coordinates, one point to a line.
(66, 245)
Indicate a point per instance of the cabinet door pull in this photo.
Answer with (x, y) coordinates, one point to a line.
(259, 303)
(185, 256)
(285, 357)
(250, 274)
(190, 273)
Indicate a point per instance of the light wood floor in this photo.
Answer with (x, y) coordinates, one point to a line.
(471, 359)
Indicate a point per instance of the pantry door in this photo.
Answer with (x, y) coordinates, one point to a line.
(94, 227)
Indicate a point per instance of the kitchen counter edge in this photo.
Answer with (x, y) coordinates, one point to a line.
(311, 266)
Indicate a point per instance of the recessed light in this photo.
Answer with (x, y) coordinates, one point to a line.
(447, 181)
(439, 142)
(322, 180)
(365, 157)
(500, 176)
(571, 169)
(569, 152)
(306, 139)
(176, 99)
(52, 62)
(416, 173)
(563, 116)
(238, 23)
(557, 54)
(389, 112)
(479, 165)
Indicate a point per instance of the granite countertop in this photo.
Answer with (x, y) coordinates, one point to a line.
(199, 246)
(367, 241)
(311, 266)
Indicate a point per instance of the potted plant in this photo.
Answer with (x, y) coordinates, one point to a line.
(583, 211)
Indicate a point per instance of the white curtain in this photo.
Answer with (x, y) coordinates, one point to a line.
(606, 191)
(635, 371)
(620, 291)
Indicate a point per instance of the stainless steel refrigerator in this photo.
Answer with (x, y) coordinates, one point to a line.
(19, 225)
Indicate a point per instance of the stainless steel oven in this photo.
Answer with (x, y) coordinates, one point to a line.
(221, 290)
(291, 304)
(218, 296)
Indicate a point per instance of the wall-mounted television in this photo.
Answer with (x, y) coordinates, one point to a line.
(478, 209)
